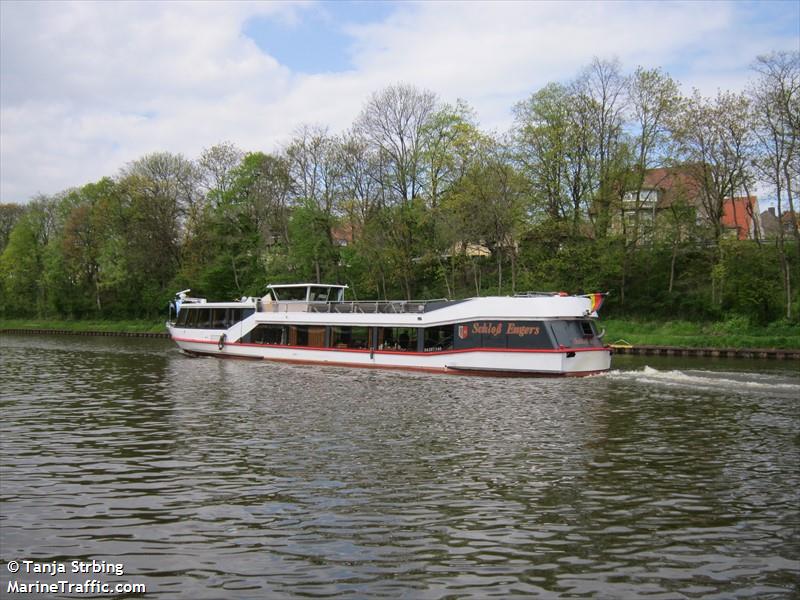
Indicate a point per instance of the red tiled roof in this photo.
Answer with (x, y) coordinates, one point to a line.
(737, 213)
(343, 232)
(676, 185)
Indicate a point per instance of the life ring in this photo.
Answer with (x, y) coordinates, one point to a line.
(221, 342)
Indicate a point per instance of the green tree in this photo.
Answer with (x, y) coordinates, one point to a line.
(654, 102)
(9, 215)
(451, 136)
(543, 135)
(237, 239)
(24, 290)
(83, 236)
(20, 269)
(715, 146)
(490, 205)
(311, 251)
(393, 123)
(217, 166)
(776, 100)
(752, 282)
(600, 98)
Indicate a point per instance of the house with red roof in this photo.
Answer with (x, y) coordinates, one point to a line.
(667, 188)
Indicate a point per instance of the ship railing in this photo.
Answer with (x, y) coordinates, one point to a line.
(358, 306)
(381, 306)
(537, 294)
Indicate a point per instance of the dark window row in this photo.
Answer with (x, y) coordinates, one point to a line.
(210, 318)
(474, 334)
(461, 336)
(519, 335)
(395, 339)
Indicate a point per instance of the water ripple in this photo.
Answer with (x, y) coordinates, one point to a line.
(238, 479)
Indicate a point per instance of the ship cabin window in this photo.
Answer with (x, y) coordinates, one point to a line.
(291, 294)
(586, 327)
(527, 335)
(350, 337)
(268, 334)
(182, 315)
(235, 315)
(575, 334)
(202, 318)
(438, 339)
(218, 320)
(319, 294)
(401, 339)
(306, 335)
(191, 317)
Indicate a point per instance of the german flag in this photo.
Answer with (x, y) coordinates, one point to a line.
(597, 301)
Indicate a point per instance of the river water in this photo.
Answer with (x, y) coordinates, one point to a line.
(207, 478)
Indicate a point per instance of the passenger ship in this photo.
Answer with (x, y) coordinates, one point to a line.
(527, 334)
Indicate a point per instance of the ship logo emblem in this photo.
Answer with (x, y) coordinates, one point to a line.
(463, 332)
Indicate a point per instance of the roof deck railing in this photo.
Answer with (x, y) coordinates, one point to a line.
(537, 294)
(381, 306)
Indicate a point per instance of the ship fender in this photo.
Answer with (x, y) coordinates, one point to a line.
(221, 342)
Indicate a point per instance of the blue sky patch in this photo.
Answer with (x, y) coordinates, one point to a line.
(316, 41)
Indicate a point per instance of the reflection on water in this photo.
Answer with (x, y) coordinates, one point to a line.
(244, 479)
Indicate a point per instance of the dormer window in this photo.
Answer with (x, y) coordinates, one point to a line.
(647, 197)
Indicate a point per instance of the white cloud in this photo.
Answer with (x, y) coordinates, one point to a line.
(87, 87)
(487, 53)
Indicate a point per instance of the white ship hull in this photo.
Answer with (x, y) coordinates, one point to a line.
(476, 362)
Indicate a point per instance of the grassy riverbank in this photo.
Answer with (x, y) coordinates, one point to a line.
(734, 333)
(129, 326)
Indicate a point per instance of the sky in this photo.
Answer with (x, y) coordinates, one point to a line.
(86, 87)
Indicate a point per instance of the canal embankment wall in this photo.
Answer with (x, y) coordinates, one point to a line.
(769, 353)
(139, 334)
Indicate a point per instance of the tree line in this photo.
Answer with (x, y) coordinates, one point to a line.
(415, 200)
